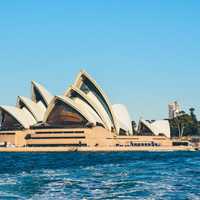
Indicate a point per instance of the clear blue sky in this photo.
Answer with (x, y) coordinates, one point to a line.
(144, 54)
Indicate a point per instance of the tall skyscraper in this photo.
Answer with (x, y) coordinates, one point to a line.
(174, 109)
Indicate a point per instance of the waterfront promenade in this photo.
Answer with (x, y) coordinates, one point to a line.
(97, 149)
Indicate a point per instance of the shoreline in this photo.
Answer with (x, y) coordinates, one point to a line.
(96, 149)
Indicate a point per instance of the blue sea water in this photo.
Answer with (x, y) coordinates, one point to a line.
(174, 175)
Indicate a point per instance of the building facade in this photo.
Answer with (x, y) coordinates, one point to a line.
(82, 117)
(174, 109)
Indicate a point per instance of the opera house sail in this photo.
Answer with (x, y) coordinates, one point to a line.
(65, 113)
(157, 127)
(94, 93)
(82, 118)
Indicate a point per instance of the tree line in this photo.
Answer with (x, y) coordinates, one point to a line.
(185, 124)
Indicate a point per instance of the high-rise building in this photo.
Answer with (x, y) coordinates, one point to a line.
(174, 109)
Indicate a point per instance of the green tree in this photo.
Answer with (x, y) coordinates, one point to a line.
(180, 124)
(194, 118)
(194, 126)
(185, 124)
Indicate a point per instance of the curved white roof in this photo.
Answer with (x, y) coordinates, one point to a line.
(21, 115)
(72, 89)
(86, 109)
(44, 93)
(78, 107)
(158, 127)
(162, 126)
(108, 114)
(83, 101)
(123, 117)
(34, 108)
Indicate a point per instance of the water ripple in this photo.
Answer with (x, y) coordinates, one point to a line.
(151, 176)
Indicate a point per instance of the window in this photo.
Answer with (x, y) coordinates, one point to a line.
(64, 115)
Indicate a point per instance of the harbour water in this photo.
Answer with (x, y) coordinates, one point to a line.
(144, 175)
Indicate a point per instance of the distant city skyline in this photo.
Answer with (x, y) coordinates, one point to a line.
(144, 54)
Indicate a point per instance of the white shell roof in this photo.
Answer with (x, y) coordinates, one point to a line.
(92, 97)
(123, 117)
(35, 109)
(85, 105)
(101, 110)
(47, 96)
(91, 107)
(158, 126)
(87, 109)
(80, 108)
(21, 115)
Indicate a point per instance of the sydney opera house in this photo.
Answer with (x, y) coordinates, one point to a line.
(81, 119)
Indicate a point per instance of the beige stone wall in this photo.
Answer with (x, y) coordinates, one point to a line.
(98, 137)
(125, 140)
(8, 137)
(93, 137)
(20, 140)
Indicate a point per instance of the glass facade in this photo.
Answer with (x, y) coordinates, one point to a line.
(8, 122)
(144, 130)
(63, 115)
